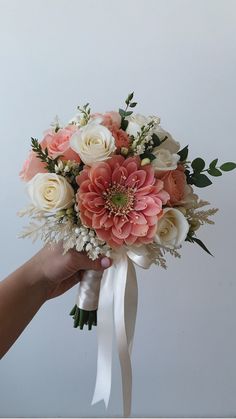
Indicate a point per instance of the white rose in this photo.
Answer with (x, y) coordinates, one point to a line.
(93, 143)
(169, 144)
(136, 121)
(172, 228)
(50, 192)
(164, 159)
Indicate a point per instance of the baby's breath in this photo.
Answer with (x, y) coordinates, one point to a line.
(143, 138)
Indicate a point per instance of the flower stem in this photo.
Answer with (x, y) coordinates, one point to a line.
(82, 317)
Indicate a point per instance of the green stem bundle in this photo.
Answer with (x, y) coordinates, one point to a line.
(82, 317)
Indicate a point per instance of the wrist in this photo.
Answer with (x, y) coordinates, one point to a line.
(34, 277)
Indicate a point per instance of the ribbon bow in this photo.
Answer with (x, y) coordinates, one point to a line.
(118, 297)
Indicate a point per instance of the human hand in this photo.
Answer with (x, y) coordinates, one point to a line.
(61, 272)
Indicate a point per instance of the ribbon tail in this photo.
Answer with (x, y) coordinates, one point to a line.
(131, 303)
(125, 307)
(104, 331)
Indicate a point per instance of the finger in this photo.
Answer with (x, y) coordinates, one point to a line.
(81, 261)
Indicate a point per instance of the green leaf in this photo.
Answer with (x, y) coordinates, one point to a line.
(128, 113)
(213, 171)
(213, 164)
(122, 113)
(183, 153)
(201, 244)
(156, 140)
(201, 181)
(130, 97)
(198, 165)
(132, 105)
(226, 167)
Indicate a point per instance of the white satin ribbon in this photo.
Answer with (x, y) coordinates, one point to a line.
(89, 288)
(118, 295)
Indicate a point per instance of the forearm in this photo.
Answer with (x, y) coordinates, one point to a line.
(21, 295)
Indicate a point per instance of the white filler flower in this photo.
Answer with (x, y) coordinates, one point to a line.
(50, 192)
(172, 228)
(93, 143)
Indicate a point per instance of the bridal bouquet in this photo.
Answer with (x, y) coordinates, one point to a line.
(115, 184)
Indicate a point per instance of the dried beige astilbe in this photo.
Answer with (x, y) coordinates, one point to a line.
(44, 226)
(203, 216)
(34, 230)
(157, 254)
(31, 211)
(52, 229)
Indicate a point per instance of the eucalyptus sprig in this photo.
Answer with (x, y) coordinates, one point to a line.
(197, 176)
(43, 155)
(124, 112)
(195, 172)
(86, 113)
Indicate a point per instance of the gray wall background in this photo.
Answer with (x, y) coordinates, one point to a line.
(179, 57)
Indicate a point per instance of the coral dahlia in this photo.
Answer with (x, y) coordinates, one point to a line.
(121, 200)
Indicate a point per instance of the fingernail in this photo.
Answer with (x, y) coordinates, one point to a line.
(105, 262)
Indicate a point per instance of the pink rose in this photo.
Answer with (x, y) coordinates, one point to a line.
(58, 143)
(31, 167)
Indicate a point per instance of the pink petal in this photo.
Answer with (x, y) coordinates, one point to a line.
(151, 232)
(151, 220)
(132, 164)
(130, 240)
(152, 209)
(119, 175)
(139, 229)
(122, 233)
(136, 179)
(137, 218)
(150, 175)
(84, 186)
(116, 161)
(140, 204)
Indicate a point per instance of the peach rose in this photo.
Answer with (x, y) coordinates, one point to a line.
(58, 143)
(175, 184)
(121, 138)
(110, 120)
